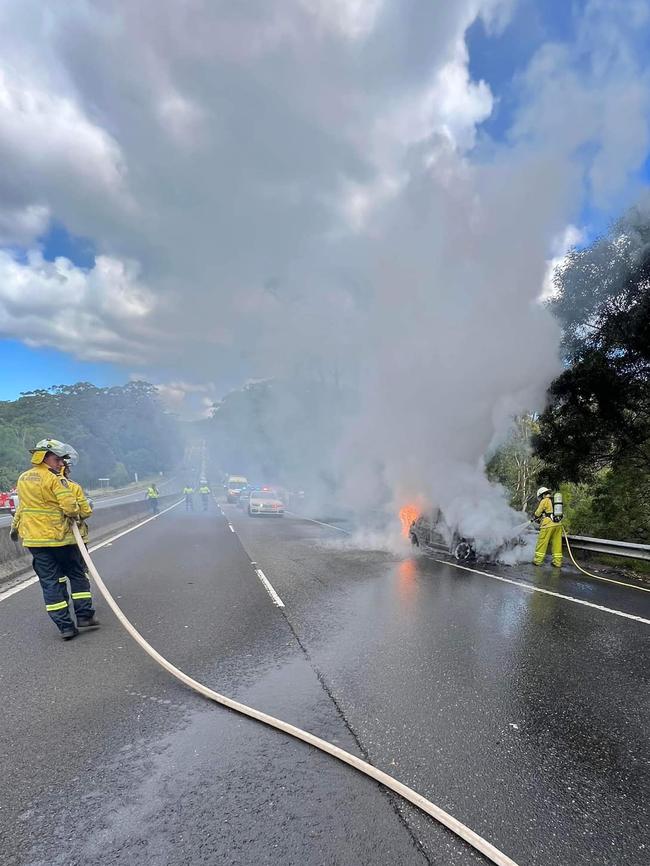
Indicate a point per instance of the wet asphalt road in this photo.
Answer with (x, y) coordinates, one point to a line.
(523, 714)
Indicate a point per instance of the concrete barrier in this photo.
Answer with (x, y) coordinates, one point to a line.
(14, 559)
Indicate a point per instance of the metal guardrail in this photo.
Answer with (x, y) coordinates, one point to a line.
(612, 548)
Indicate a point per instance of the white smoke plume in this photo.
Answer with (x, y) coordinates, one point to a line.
(305, 191)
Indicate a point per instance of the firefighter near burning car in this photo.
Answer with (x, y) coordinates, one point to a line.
(48, 506)
(549, 515)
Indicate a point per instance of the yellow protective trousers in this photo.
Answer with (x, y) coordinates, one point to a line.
(550, 532)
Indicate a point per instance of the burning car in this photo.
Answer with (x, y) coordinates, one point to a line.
(431, 531)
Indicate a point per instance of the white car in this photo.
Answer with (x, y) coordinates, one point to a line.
(265, 502)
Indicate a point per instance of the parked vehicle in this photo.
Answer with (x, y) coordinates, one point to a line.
(234, 486)
(9, 501)
(244, 495)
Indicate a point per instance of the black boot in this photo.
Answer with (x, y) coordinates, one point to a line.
(69, 633)
(87, 623)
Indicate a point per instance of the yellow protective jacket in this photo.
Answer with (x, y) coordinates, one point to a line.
(84, 507)
(204, 489)
(152, 493)
(47, 505)
(545, 511)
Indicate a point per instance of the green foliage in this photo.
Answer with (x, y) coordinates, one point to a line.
(119, 476)
(578, 508)
(516, 466)
(615, 505)
(595, 433)
(599, 411)
(116, 431)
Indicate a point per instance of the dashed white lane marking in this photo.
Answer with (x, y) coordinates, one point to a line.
(231, 527)
(275, 598)
(520, 583)
(31, 580)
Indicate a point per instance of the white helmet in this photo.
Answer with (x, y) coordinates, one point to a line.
(56, 447)
(542, 491)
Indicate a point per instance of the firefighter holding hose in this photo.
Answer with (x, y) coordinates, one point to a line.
(48, 505)
(549, 516)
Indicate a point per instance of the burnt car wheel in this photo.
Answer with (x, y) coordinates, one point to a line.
(463, 551)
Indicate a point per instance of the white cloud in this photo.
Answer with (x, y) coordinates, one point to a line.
(248, 156)
(352, 18)
(20, 225)
(52, 154)
(94, 314)
(571, 237)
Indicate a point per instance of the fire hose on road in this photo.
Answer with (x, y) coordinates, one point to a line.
(588, 573)
(469, 836)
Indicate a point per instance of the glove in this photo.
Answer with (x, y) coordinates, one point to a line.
(13, 534)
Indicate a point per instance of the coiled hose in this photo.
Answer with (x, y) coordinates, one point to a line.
(486, 848)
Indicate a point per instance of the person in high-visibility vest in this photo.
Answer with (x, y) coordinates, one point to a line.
(204, 490)
(46, 509)
(550, 529)
(188, 493)
(152, 496)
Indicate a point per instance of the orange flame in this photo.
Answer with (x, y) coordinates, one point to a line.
(407, 515)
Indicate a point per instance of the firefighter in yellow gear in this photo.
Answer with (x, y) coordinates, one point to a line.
(47, 507)
(188, 493)
(550, 531)
(85, 504)
(85, 510)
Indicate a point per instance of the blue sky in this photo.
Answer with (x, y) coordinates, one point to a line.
(23, 368)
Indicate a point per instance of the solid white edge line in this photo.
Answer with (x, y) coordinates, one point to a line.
(530, 588)
(520, 583)
(267, 586)
(31, 580)
(14, 589)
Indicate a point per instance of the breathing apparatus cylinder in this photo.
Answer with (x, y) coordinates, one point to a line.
(558, 507)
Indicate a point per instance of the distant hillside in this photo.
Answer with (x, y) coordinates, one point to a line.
(116, 431)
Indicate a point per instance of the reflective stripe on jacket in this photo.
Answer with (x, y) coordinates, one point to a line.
(204, 490)
(46, 505)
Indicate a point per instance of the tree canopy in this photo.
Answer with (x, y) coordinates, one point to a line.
(599, 410)
(117, 431)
